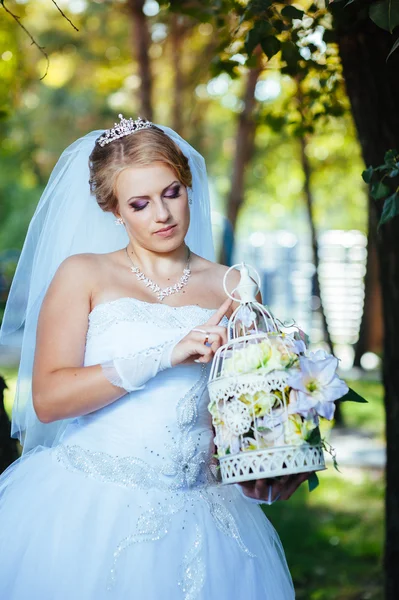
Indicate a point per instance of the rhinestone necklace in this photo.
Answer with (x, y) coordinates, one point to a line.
(162, 293)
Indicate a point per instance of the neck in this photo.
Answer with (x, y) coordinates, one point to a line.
(157, 264)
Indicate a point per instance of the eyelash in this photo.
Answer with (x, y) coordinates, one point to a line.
(176, 194)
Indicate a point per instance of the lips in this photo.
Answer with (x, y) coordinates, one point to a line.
(166, 229)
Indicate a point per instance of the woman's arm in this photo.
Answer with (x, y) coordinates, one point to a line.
(61, 386)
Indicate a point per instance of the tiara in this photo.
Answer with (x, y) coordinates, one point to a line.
(124, 127)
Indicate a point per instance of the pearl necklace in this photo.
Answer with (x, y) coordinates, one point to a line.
(154, 287)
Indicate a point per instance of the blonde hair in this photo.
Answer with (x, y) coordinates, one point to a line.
(141, 148)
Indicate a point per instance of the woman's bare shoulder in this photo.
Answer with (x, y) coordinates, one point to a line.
(85, 264)
(217, 271)
(212, 275)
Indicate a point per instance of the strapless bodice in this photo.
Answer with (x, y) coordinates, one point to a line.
(166, 425)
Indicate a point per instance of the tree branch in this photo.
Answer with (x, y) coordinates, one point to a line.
(64, 15)
(34, 42)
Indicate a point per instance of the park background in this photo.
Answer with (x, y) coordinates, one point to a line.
(289, 102)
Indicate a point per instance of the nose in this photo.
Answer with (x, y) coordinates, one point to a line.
(162, 213)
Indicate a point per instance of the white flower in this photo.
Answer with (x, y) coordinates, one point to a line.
(273, 419)
(317, 385)
(297, 429)
(246, 316)
(244, 360)
(225, 440)
(260, 403)
(271, 437)
(293, 430)
(249, 443)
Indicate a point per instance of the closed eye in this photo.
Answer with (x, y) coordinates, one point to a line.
(174, 192)
(138, 205)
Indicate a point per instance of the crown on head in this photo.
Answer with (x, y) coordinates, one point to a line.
(124, 127)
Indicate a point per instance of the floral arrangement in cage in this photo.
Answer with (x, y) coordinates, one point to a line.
(268, 393)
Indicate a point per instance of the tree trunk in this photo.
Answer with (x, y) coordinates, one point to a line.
(141, 46)
(176, 37)
(313, 233)
(244, 146)
(371, 329)
(372, 84)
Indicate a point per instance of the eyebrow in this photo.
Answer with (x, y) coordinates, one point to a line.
(147, 197)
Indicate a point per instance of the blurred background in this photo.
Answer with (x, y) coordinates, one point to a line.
(272, 94)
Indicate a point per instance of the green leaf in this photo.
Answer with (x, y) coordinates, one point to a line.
(390, 157)
(385, 14)
(254, 37)
(394, 47)
(290, 12)
(379, 190)
(270, 46)
(290, 54)
(256, 7)
(314, 437)
(275, 122)
(313, 481)
(390, 209)
(352, 396)
(329, 36)
(368, 174)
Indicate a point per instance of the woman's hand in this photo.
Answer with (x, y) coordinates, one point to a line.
(281, 488)
(201, 343)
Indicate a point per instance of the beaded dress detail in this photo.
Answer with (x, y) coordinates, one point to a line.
(128, 503)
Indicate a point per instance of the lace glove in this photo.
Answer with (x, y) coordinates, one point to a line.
(133, 371)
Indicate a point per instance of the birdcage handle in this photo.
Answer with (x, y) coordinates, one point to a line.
(250, 268)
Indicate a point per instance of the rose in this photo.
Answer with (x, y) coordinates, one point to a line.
(261, 402)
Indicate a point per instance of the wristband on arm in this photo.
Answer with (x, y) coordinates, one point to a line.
(131, 372)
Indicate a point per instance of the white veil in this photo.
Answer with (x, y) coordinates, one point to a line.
(69, 221)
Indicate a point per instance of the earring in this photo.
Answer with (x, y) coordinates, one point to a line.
(119, 221)
(190, 195)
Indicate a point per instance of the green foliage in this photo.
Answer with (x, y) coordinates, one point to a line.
(313, 482)
(333, 537)
(385, 14)
(352, 396)
(314, 437)
(383, 182)
(366, 417)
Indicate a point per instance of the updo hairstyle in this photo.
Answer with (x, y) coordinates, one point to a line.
(141, 148)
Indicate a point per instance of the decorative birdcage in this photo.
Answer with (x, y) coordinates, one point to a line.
(259, 434)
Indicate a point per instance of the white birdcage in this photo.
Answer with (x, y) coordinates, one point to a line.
(257, 434)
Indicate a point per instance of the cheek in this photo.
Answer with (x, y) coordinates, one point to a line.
(183, 211)
(138, 222)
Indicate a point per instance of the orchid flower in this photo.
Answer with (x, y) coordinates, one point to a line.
(316, 385)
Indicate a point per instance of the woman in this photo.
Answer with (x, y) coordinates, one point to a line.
(116, 494)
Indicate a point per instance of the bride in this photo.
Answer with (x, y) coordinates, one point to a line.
(116, 494)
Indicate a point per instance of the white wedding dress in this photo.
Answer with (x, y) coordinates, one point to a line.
(127, 505)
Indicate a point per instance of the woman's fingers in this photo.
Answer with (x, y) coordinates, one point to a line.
(204, 353)
(271, 489)
(292, 485)
(220, 313)
(210, 334)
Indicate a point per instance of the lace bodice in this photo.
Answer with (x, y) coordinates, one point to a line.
(164, 428)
